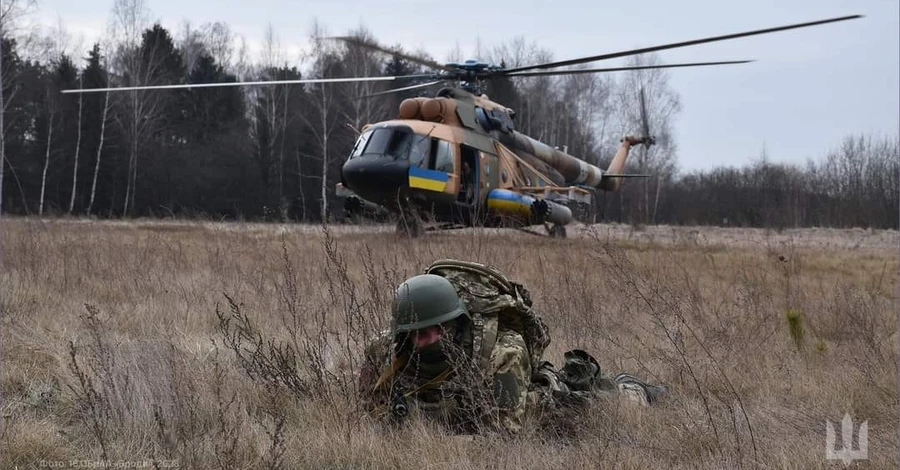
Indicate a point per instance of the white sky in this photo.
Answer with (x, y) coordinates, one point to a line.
(809, 88)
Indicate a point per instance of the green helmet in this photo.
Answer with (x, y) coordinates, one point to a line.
(425, 300)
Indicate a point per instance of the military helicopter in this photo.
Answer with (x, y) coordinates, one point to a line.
(457, 160)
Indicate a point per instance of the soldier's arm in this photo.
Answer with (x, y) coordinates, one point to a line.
(511, 372)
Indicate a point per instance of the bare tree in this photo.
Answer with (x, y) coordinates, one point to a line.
(104, 65)
(139, 109)
(99, 151)
(271, 104)
(55, 45)
(51, 107)
(10, 12)
(362, 62)
(77, 149)
(322, 99)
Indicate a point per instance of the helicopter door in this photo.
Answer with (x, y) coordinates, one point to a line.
(468, 174)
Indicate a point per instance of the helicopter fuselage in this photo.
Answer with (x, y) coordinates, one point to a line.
(458, 159)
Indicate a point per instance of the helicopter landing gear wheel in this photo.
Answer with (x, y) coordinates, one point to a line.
(557, 231)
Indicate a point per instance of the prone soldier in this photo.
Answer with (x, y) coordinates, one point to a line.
(465, 348)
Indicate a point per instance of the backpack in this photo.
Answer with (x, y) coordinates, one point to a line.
(495, 302)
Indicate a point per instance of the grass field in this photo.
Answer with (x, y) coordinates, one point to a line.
(112, 347)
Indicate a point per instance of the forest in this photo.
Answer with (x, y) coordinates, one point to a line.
(274, 152)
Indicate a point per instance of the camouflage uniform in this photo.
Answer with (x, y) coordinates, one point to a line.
(487, 370)
(511, 374)
(463, 401)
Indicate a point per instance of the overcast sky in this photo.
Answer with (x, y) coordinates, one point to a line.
(809, 88)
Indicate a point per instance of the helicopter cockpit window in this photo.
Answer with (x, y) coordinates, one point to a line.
(419, 151)
(376, 142)
(399, 144)
(360, 144)
(443, 157)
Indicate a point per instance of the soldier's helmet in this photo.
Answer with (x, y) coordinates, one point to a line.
(425, 300)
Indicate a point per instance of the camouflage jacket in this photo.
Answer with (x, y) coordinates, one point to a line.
(462, 393)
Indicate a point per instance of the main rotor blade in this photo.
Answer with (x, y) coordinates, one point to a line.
(620, 69)
(643, 50)
(226, 84)
(375, 47)
(395, 90)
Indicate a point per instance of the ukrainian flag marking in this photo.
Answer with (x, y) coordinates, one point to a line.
(509, 202)
(429, 180)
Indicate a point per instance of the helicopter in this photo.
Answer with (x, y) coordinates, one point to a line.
(455, 159)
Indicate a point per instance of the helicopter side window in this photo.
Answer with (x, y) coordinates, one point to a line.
(482, 118)
(419, 151)
(443, 157)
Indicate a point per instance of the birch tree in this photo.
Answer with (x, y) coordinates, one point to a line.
(137, 109)
(51, 113)
(322, 99)
(97, 78)
(77, 148)
(270, 119)
(362, 62)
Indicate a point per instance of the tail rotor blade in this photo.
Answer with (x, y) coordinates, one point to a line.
(645, 122)
(645, 126)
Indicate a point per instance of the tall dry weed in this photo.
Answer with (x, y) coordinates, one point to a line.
(239, 345)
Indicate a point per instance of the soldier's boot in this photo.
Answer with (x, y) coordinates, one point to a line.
(640, 391)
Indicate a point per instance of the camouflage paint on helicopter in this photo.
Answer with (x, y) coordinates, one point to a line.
(461, 149)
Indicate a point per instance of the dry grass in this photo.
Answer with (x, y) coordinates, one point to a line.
(111, 346)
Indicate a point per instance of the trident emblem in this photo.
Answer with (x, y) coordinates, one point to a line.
(847, 454)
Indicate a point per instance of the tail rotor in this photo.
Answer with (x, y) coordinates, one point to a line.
(648, 139)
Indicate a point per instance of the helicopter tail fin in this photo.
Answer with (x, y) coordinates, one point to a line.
(612, 178)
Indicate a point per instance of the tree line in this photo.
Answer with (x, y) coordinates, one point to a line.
(856, 184)
(274, 152)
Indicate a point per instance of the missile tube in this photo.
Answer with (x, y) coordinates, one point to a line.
(506, 202)
(552, 212)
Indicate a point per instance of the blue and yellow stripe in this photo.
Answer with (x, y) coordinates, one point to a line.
(508, 202)
(429, 180)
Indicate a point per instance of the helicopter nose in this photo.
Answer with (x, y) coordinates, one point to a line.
(375, 177)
